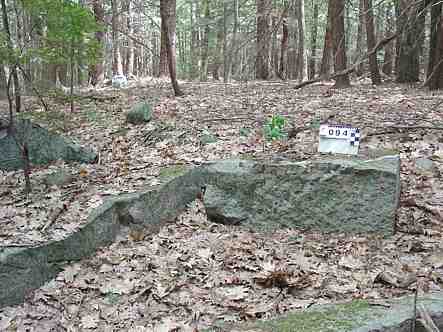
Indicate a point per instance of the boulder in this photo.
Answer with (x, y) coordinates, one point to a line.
(139, 114)
(330, 195)
(394, 315)
(44, 147)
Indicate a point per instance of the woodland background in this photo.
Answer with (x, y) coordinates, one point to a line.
(54, 43)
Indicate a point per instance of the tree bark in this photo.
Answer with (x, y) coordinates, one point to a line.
(410, 25)
(436, 13)
(262, 61)
(360, 37)
(3, 81)
(129, 63)
(217, 55)
(163, 64)
(168, 16)
(325, 68)
(370, 37)
(301, 56)
(282, 72)
(117, 68)
(12, 64)
(97, 70)
(389, 50)
(205, 42)
(435, 67)
(311, 70)
(339, 42)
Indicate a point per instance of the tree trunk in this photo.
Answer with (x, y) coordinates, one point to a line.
(168, 16)
(325, 68)
(205, 42)
(370, 37)
(282, 72)
(311, 70)
(117, 68)
(274, 47)
(389, 50)
(3, 81)
(262, 62)
(98, 70)
(13, 65)
(360, 37)
(163, 69)
(129, 63)
(225, 43)
(302, 67)
(339, 42)
(435, 67)
(217, 56)
(410, 28)
(232, 53)
(436, 13)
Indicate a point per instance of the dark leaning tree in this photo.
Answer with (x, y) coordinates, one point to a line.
(168, 17)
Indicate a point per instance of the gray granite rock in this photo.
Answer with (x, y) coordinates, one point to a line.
(329, 195)
(44, 147)
(333, 195)
(140, 113)
(355, 316)
(24, 269)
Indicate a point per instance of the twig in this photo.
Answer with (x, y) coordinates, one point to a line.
(414, 318)
(57, 212)
(426, 320)
(226, 119)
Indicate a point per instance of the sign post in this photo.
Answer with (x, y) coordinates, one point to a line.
(341, 139)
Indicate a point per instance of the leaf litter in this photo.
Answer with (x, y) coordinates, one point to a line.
(193, 273)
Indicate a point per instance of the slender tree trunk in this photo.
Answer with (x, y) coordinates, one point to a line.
(434, 75)
(389, 50)
(436, 13)
(97, 70)
(195, 40)
(117, 68)
(13, 65)
(225, 43)
(282, 72)
(274, 47)
(360, 37)
(262, 62)
(205, 42)
(339, 42)
(325, 68)
(129, 63)
(163, 65)
(410, 26)
(370, 37)
(3, 81)
(311, 70)
(217, 55)
(168, 16)
(301, 56)
(232, 53)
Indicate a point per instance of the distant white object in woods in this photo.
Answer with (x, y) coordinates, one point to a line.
(119, 81)
(341, 139)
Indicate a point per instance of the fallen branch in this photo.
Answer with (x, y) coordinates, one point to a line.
(382, 43)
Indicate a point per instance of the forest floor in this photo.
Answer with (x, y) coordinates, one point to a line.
(194, 274)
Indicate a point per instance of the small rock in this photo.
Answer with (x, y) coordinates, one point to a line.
(424, 164)
(139, 114)
(58, 178)
(207, 138)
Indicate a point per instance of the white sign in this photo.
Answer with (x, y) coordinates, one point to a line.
(339, 139)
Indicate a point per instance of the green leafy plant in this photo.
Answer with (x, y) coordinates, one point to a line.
(274, 128)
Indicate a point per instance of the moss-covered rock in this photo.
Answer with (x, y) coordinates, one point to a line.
(44, 147)
(140, 113)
